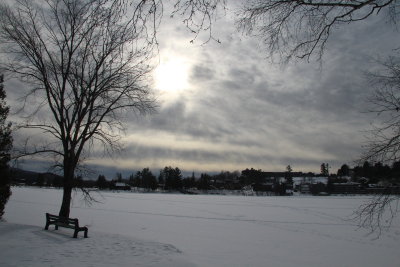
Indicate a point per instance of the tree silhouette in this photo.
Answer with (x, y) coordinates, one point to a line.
(204, 183)
(86, 64)
(5, 147)
(344, 170)
(325, 169)
(145, 179)
(172, 178)
(288, 174)
(102, 182)
(384, 141)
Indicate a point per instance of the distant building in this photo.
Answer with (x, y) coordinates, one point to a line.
(120, 186)
(347, 188)
(306, 185)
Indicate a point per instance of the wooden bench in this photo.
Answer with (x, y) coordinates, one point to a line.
(65, 222)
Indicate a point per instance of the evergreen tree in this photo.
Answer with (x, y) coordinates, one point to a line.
(5, 147)
(252, 176)
(189, 182)
(135, 180)
(366, 168)
(102, 182)
(325, 169)
(288, 174)
(289, 168)
(395, 172)
(161, 178)
(148, 180)
(118, 177)
(344, 170)
(172, 178)
(204, 182)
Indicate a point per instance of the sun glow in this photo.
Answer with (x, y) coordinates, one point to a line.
(171, 75)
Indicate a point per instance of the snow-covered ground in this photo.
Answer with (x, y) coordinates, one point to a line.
(132, 229)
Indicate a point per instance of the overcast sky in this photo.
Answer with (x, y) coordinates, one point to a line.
(225, 106)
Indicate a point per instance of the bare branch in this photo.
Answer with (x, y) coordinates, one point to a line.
(384, 143)
(378, 213)
(199, 15)
(299, 28)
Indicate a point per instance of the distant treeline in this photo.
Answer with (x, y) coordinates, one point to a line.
(170, 178)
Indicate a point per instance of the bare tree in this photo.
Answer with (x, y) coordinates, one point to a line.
(301, 28)
(87, 65)
(383, 144)
(384, 138)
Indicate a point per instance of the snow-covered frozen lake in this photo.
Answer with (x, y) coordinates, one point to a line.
(212, 230)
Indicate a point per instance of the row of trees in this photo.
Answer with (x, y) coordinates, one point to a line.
(171, 178)
(371, 173)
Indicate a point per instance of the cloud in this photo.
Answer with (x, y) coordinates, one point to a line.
(201, 73)
(240, 110)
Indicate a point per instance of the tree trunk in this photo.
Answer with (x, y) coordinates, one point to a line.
(66, 201)
(69, 172)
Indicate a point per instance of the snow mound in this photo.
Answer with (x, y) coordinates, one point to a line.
(24, 245)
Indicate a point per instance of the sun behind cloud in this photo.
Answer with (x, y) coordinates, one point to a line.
(171, 75)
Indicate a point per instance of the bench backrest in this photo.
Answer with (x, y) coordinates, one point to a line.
(51, 217)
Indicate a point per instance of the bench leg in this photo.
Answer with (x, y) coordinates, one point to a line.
(46, 227)
(86, 230)
(76, 234)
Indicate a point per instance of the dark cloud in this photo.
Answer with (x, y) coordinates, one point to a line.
(268, 116)
(242, 111)
(201, 73)
(169, 118)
